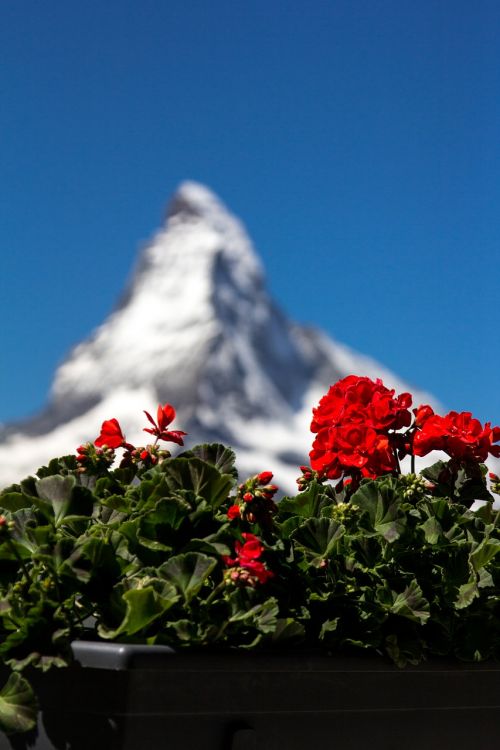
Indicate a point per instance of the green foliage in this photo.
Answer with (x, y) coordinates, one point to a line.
(18, 705)
(139, 554)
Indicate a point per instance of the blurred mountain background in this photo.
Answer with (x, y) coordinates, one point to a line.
(196, 327)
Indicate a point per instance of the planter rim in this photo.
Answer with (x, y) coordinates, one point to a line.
(122, 656)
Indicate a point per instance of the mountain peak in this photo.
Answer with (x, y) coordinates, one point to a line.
(194, 199)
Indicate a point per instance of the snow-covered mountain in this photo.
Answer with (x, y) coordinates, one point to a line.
(197, 328)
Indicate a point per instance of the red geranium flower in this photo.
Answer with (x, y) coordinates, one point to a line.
(258, 569)
(233, 512)
(422, 414)
(459, 435)
(352, 447)
(111, 435)
(360, 399)
(164, 416)
(247, 558)
(252, 548)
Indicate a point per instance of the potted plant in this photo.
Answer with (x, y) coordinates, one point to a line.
(163, 603)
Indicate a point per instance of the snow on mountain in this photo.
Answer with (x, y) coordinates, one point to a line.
(197, 328)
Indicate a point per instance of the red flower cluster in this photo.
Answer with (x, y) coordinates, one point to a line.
(100, 454)
(246, 567)
(457, 434)
(353, 422)
(112, 436)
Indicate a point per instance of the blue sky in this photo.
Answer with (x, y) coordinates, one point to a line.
(358, 140)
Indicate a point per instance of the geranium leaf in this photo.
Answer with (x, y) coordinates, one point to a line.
(143, 607)
(216, 454)
(18, 705)
(318, 537)
(466, 594)
(157, 528)
(329, 626)
(199, 476)
(14, 501)
(432, 530)
(435, 472)
(206, 545)
(65, 498)
(382, 505)
(412, 604)
(484, 552)
(288, 630)
(471, 486)
(288, 527)
(306, 504)
(188, 572)
(263, 616)
(25, 522)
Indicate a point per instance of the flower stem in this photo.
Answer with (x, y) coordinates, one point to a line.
(19, 560)
(216, 590)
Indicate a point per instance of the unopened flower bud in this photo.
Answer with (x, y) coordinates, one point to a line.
(264, 477)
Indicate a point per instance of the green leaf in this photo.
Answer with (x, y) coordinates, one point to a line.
(157, 528)
(466, 594)
(198, 476)
(14, 501)
(143, 607)
(470, 485)
(381, 502)
(403, 651)
(484, 552)
(26, 521)
(93, 559)
(288, 527)
(329, 626)
(188, 572)
(318, 537)
(213, 548)
(434, 472)
(306, 504)
(263, 616)
(485, 579)
(65, 498)
(18, 705)
(61, 465)
(56, 490)
(412, 604)
(119, 503)
(217, 455)
(432, 530)
(288, 629)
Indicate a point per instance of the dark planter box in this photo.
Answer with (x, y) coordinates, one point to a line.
(121, 697)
